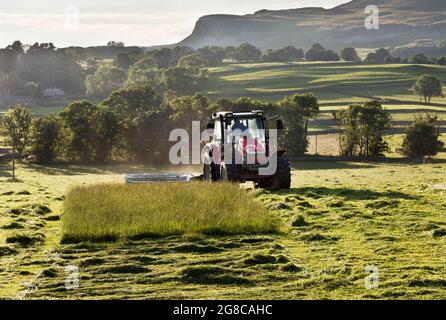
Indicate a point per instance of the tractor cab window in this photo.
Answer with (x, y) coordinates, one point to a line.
(237, 127)
(217, 131)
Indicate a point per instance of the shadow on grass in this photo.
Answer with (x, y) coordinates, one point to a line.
(335, 163)
(5, 171)
(73, 170)
(329, 165)
(346, 193)
(67, 170)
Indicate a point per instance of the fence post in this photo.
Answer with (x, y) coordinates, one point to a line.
(317, 154)
(13, 164)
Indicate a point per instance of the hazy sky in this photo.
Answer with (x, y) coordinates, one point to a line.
(135, 22)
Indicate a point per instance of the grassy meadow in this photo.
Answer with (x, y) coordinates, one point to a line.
(336, 84)
(332, 82)
(338, 219)
(115, 211)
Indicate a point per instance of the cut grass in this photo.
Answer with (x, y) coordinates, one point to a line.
(115, 211)
(326, 257)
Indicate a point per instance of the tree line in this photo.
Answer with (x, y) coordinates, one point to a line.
(133, 124)
(362, 129)
(28, 71)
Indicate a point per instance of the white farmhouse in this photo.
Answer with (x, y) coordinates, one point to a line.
(53, 93)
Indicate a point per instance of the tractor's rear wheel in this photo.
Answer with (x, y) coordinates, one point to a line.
(282, 178)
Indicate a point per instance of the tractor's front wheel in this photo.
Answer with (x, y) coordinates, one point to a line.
(281, 179)
(209, 170)
(229, 173)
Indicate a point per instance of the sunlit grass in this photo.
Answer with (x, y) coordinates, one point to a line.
(119, 211)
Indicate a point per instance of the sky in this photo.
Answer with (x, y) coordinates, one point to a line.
(134, 22)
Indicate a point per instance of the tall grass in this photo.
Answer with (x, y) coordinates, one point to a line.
(119, 211)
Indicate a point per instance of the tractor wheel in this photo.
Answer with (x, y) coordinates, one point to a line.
(282, 179)
(209, 172)
(264, 183)
(229, 173)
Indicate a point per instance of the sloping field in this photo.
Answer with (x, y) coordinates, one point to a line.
(337, 85)
(330, 81)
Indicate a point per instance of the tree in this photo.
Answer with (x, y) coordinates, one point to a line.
(16, 47)
(8, 60)
(244, 104)
(441, 61)
(118, 44)
(193, 60)
(230, 53)
(379, 56)
(428, 87)
(420, 59)
(293, 53)
(15, 124)
(184, 81)
(422, 138)
(189, 108)
(286, 54)
(163, 57)
(382, 54)
(106, 79)
(247, 53)
(350, 54)
(9, 83)
(142, 121)
(212, 55)
(389, 59)
(78, 118)
(297, 111)
(362, 130)
(319, 53)
(93, 130)
(126, 59)
(145, 72)
(179, 52)
(50, 68)
(122, 61)
(45, 138)
(42, 64)
(107, 129)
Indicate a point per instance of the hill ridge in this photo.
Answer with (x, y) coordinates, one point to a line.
(400, 22)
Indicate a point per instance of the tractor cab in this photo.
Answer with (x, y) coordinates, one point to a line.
(239, 148)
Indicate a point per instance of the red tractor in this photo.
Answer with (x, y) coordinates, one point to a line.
(241, 151)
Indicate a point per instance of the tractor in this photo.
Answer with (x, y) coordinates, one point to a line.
(240, 148)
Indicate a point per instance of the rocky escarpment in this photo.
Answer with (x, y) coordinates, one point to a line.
(400, 22)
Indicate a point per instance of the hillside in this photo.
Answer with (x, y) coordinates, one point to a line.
(336, 85)
(401, 22)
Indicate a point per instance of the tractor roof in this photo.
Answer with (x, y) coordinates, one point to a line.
(244, 114)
